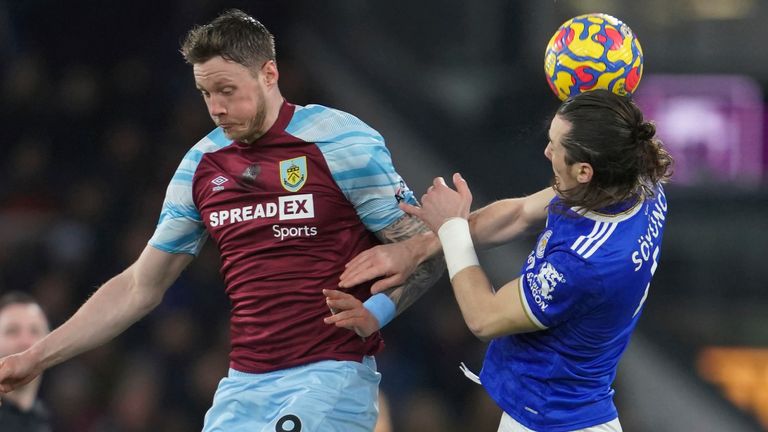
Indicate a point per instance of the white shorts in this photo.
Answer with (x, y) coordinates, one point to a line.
(508, 424)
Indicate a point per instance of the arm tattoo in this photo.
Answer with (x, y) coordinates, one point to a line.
(426, 273)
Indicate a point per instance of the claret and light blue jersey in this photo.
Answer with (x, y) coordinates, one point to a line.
(584, 286)
(359, 161)
(286, 212)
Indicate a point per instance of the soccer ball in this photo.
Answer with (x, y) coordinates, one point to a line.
(593, 51)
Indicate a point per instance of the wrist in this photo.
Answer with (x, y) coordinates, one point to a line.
(424, 246)
(382, 308)
(36, 355)
(457, 245)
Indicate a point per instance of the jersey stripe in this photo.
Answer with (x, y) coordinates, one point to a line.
(601, 229)
(358, 159)
(180, 228)
(601, 241)
(582, 238)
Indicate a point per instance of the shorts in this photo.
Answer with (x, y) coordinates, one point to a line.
(324, 396)
(508, 424)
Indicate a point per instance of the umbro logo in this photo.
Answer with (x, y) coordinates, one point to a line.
(218, 182)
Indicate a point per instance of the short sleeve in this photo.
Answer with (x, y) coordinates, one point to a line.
(359, 162)
(180, 228)
(373, 186)
(559, 287)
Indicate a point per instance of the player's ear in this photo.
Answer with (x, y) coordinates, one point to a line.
(269, 73)
(584, 172)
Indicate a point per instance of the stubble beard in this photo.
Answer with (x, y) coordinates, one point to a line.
(257, 128)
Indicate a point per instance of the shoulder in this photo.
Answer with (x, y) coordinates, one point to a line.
(214, 141)
(324, 125)
(590, 235)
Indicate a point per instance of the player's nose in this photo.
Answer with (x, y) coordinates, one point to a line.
(215, 107)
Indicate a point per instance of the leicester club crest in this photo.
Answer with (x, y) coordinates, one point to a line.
(293, 173)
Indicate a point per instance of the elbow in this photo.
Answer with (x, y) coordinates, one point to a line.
(492, 325)
(483, 337)
(481, 329)
(153, 301)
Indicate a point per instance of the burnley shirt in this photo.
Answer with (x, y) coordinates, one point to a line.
(286, 213)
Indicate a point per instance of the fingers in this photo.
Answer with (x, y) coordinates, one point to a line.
(358, 259)
(411, 209)
(386, 283)
(367, 266)
(341, 301)
(340, 316)
(461, 186)
(357, 276)
(351, 319)
(336, 295)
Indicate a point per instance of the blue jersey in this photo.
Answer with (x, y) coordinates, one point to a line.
(584, 285)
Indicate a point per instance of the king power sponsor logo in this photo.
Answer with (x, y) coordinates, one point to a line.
(291, 207)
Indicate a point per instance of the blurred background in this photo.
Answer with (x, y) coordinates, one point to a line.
(98, 108)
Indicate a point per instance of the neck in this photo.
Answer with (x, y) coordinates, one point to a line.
(273, 111)
(24, 397)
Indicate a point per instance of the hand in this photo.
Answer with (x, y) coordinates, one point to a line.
(441, 203)
(392, 262)
(17, 370)
(350, 313)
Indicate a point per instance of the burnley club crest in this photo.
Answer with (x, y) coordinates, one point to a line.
(293, 173)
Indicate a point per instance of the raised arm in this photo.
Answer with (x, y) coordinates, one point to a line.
(116, 305)
(492, 225)
(504, 220)
(488, 313)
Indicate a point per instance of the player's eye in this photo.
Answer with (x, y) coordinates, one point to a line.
(227, 91)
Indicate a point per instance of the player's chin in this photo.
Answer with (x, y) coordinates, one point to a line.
(234, 135)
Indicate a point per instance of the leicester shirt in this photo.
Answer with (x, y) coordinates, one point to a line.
(584, 286)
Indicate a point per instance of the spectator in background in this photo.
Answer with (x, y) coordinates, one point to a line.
(22, 323)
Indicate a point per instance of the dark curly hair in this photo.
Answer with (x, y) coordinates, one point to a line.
(609, 133)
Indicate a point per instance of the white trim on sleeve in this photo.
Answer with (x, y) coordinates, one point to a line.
(527, 308)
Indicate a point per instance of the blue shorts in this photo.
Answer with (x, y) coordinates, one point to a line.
(317, 397)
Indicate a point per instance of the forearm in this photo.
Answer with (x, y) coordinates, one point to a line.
(425, 275)
(504, 220)
(423, 249)
(488, 313)
(109, 311)
(489, 223)
(476, 299)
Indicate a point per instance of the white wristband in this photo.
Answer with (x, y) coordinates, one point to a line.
(457, 245)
